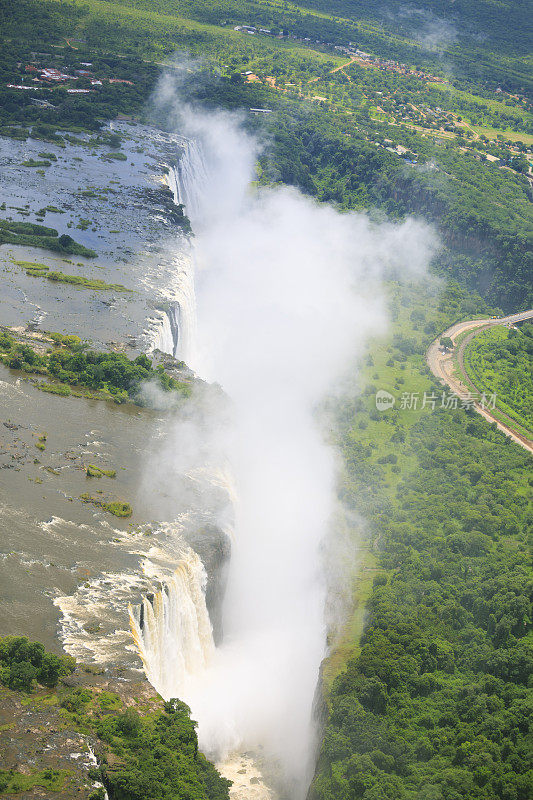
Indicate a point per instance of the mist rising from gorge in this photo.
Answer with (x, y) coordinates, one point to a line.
(287, 292)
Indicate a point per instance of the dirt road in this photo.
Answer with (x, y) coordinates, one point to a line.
(441, 365)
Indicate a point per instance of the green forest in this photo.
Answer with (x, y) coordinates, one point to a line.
(433, 701)
(499, 360)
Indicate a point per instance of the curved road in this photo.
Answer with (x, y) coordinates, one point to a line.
(441, 365)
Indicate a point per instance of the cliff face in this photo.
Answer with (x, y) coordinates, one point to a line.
(320, 717)
(214, 548)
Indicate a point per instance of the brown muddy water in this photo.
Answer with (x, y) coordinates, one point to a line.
(68, 569)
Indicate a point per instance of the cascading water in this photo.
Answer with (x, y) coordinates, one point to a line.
(172, 629)
(189, 180)
(289, 293)
(163, 338)
(177, 333)
(171, 331)
(182, 313)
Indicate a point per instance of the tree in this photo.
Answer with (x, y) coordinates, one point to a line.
(54, 667)
(129, 723)
(20, 676)
(65, 240)
(446, 342)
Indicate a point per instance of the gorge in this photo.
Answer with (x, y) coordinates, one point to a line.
(286, 294)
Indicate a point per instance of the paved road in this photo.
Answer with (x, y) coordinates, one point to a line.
(441, 365)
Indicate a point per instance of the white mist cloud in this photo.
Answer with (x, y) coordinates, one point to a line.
(288, 292)
(434, 33)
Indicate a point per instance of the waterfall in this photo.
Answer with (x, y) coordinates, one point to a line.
(177, 334)
(172, 629)
(189, 180)
(182, 313)
(164, 336)
(174, 317)
(168, 334)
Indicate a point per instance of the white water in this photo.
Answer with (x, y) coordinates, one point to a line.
(163, 338)
(176, 335)
(183, 312)
(172, 629)
(190, 181)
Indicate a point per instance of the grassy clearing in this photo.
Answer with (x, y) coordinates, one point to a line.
(12, 782)
(513, 136)
(500, 415)
(186, 28)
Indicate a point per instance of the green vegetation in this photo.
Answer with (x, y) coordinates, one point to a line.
(51, 209)
(33, 267)
(55, 388)
(118, 508)
(115, 156)
(483, 212)
(12, 782)
(498, 361)
(113, 375)
(86, 283)
(29, 234)
(98, 472)
(31, 162)
(433, 702)
(153, 746)
(426, 696)
(332, 127)
(37, 270)
(23, 663)
(161, 755)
